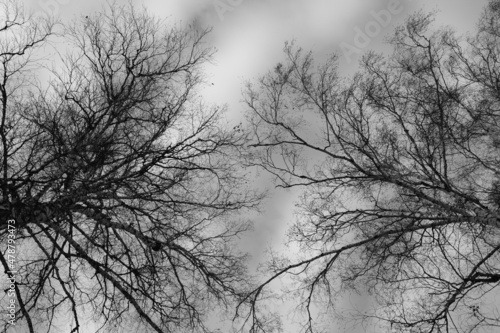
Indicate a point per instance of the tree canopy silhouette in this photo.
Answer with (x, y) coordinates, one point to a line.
(124, 186)
(401, 169)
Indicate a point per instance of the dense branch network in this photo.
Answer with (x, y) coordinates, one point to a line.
(400, 166)
(125, 187)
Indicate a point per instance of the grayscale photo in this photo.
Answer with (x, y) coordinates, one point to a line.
(250, 166)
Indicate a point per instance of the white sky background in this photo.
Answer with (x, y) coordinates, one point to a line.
(250, 37)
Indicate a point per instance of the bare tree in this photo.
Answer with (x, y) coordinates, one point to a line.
(401, 169)
(124, 187)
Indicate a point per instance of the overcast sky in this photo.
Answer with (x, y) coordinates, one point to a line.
(250, 34)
